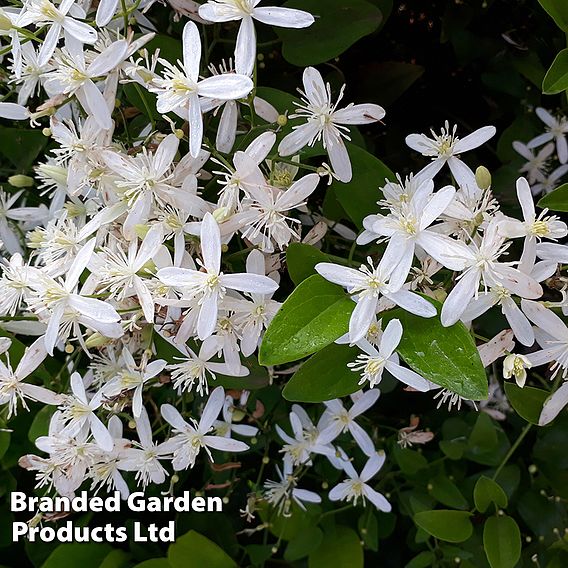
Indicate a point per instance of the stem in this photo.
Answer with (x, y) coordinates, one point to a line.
(512, 450)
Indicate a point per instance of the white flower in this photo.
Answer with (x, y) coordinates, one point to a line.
(366, 286)
(480, 264)
(340, 420)
(247, 11)
(59, 302)
(557, 128)
(195, 367)
(407, 227)
(444, 148)
(226, 426)
(210, 286)
(182, 91)
(12, 386)
(79, 414)
(355, 487)
(43, 12)
(516, 366)
(281, 494)
(552, 336)
(537, 164)
(554, 405)
(326, 123)
(73, 76)
(376, 360)
(120, 273)
(144, 458)
(550, 180)
(190, 438)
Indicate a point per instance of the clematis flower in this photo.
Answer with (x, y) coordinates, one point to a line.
(326, 123)
(14, 390)
(372, 364)
(209, 286)
(247, 11)
(537, 163)
(190, 438)
(366, 286)
(444, 148)
(355, 487)
(556, 130)
(182, 91)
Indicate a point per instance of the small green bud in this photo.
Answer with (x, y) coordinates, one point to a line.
(483, 177)
(20, 180)
(282, 120)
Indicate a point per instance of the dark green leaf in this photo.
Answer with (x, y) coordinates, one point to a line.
(21, 146)
(451, 526)
(314, 315)
(154, 563)
(423, 560)
(487, 491)
(340, 549)
(558, 11)
(324, 376)
(40, 425)
(301, 259)
(556, 78)
(502, 541)
(117, 559)
(446, 492)
(325, 39)
(303, 544)
(556, 200)
(527, 401)
(409, 461)
(84, 554)
(193, 550)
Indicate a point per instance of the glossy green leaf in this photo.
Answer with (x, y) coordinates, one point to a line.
(446, 356)
(556, 200)
(409, 461)
(447, 493)
(301, 259)
(21, 146)
(423, 560)
(314, 315)
(340, 548)
(154, 563)
(193, 550)
(487, 491)
(40, 424)
(451, 526)
(359, 197)
(325, 39)
(324, 376)
(84, 554)
(527, 401)
(502, 541)
(558, 11)
(556, 78)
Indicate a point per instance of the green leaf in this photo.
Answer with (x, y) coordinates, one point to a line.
(193, 550)
(423, 560)
(446, 356)
(340, 548)
(359, 197)
(288, 528)
(116, 559)
(447, 493)
(409, 461)
(303, 544)
(21, 146)
(301, 259)
(527, 401)
(556, 78)
(487, 491)
(451, 526)
(558, 11)
(325, 39)
(84, 554)
(154, 563)
(324, 376)
(314, 315)
(556, 200)
(368, 527)
(143, 100)
(4, 443)
(40, 425)
(502, 542)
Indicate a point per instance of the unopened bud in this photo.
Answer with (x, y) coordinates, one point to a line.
(20, 180)
(5, 23)
(141, 230)
(221, 214)
(439, 294)
(46, 131)
(179, 133)
(483, 177)
(282, 120)
(238, 415)
(96, 340)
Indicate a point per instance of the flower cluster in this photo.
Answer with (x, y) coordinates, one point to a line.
(152, 265)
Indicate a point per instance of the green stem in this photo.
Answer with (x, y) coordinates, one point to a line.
(512, 450)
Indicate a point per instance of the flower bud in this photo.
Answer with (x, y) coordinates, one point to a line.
(179, 133)
(5, 22)
(515, 366)
(46, 132)
(97, 340)
(282, 120)
(483, 177)
(221, 214)
(439, 294)
(20, 180)
(141, 230)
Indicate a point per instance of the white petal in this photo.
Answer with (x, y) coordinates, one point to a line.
(545, 319)
(378, 500)
(173, 417)
(519, 323)
(112, 56)
(408, 377)
(475, 139)
(225, 444)
(191, 50)
(459, 298)
(211, 244)
(359, 114)
(245, 50)
(101, 434)
(227, 129)
(253, 283)
(283, 17)
(212, 409)
(362, 316)
(554, 405)
(412, 303)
